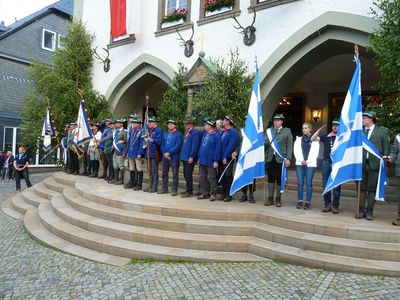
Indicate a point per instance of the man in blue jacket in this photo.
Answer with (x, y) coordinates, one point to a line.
(170, 149)
(229, 142)
(189, 154)
(135, 153)
(153, 153)
(209, 155)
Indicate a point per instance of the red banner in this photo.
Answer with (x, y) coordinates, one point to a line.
(118, 17)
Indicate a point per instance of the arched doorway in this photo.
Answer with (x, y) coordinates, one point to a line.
(146, 75)
(315, 64)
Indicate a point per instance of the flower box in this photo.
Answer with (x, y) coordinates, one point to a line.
(215, 7)
(177, 17)
(217, 11)
(170, 24)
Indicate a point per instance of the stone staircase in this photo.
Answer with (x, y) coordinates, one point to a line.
(106, 223)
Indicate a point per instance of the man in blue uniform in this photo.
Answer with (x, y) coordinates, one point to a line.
(153, 153)
(189, 154)
(229, 141)
(209, 155)
(135, 153)
(21, 163)
(170, 149)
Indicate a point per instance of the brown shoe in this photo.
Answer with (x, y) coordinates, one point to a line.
(396, 222)
(335, 210)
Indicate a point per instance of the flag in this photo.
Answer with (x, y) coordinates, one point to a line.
(251, 163)
(145, 129)
(48, 130)
(347, 151)
(82, 133)
(122, 21)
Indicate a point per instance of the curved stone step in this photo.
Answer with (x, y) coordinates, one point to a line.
(130, 249)
(40, 234)
(19, 204)
(208, 242)
(9, 210)
(41, 190)
(215, 242)
(32, 198)
(66, 179)
(73, 199)
(295, 220)
(53, 185)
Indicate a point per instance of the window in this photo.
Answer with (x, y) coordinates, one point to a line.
(60, 44)
(48, 40)
(10, 139)
(216, 10)
(261, 4)
(173, 5)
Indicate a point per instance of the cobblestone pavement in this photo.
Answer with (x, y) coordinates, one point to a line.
(30, 270)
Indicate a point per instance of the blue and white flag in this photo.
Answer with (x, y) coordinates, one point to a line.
(251, 163)
(48, 131)
(83, 133)
(145, 129)
(347, 151)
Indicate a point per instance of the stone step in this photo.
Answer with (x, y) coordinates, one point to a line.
(130, 249)
(53, 185)
(213, 242)
(32, 198)
(167, 206)
(66, 179)
(41, 190)
(9, 210)
(318, 190)
(74, 200)
(39, 233)
(19, 204)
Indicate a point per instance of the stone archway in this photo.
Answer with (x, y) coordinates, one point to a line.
(331, 34)
(146, 74)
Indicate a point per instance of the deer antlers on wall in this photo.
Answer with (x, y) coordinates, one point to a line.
(249, 32)
(188, 44)
(106, 61)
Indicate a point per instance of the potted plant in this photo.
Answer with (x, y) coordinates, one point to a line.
(178, 16)
(212, 7)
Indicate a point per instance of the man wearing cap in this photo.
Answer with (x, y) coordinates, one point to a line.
(135, 153)
(170, 149)
(209, 154)
(72, 155)
(279, 141)
(379, 137)
(328, 140)
(101, 147)
(189, 154)
(153, 153)
(107, 139)
(395, 158)
(229, 142)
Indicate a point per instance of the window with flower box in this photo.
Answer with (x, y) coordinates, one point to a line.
(213, 10)
(175, 12)
(262, 4)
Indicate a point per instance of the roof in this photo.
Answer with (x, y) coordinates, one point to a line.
(65, 7)
(3, 27)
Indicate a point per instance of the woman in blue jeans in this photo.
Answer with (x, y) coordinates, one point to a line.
(306, 154)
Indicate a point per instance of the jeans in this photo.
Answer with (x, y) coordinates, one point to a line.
(326, 171)
(166, 164)
(307, 173)
(4, 173)
(24, 174)
(188, 174)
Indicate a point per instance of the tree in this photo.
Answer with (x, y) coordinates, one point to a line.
(174, 102)
(385, 45)
(62, 86)
(226, 91)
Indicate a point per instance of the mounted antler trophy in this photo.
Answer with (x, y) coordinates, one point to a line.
(188, 44)
(249, 33)
(106, 61)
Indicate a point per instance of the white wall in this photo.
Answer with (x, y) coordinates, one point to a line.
(274, 26)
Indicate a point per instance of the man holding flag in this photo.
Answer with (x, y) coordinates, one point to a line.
(347, 151)
(250, 163)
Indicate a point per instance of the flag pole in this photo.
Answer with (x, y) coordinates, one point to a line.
(357, 211)
(148, 143)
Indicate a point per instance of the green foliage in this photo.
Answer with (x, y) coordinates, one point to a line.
(174, 102)
(385, 45)
(62, 87)
(227, 91)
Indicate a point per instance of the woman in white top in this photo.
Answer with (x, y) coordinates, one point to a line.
(306, 154)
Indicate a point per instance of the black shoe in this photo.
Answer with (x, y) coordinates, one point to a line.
(162, 192)
(251, 199)
(197, 194)
(362, 213)
(221, 197)
(327, 208)
(243, 198)
(174, 193)
(335, 210)
(368, 215)
(202, 197)
(153, 190)
(227, 198)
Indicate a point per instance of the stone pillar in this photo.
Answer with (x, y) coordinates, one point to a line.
(189, 109)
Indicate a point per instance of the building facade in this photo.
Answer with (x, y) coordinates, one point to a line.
(304, 50)
(34, 37)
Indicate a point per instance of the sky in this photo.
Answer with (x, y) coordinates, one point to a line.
(11, 9)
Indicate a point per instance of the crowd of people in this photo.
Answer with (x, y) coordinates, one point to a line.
(214, 149)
